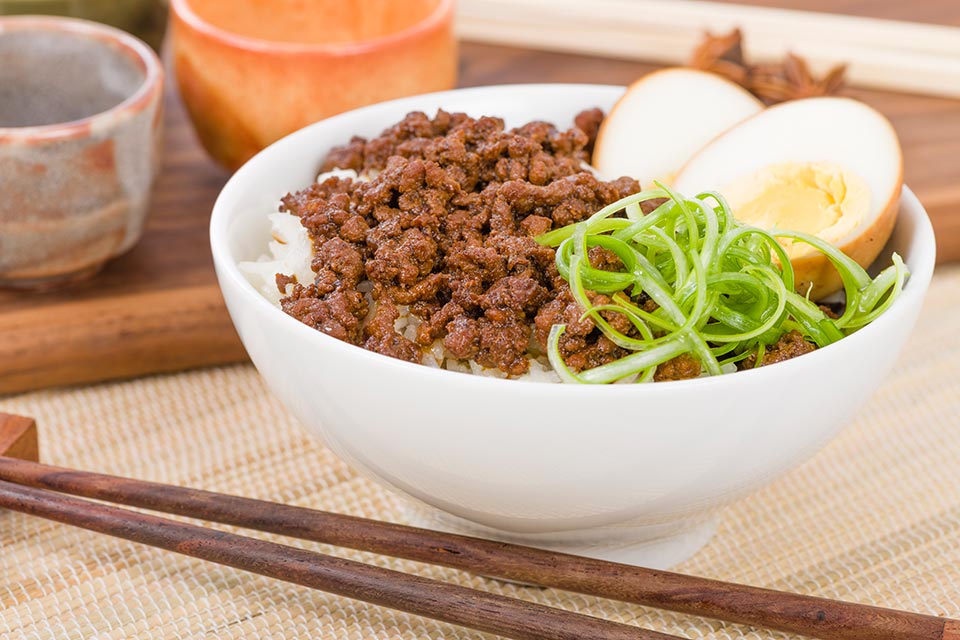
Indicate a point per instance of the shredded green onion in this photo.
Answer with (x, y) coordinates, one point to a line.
(723, 291)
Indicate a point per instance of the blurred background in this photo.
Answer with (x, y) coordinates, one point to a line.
(146, 19)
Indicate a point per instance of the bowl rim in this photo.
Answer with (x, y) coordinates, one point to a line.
(122, 42)
(921, 270)
(181, 10)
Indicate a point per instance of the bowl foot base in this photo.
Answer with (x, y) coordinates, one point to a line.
(658, 546)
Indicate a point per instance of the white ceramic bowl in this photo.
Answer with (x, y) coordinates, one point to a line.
(631, 472)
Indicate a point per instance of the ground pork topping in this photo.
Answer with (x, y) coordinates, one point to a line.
(790, 345)
(446, 228)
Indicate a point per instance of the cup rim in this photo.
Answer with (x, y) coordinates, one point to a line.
(126, 44)
(182, 10)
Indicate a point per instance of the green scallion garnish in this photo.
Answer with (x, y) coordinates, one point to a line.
(723, 290)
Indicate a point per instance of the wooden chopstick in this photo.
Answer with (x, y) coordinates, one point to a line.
(466, 607)
(817, 617)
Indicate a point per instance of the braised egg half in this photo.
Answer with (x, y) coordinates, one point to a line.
(664, 118)
(830, 167)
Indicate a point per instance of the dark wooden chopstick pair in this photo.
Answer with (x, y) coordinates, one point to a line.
(37, 489)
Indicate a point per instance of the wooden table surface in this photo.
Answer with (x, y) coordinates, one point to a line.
(158, 308)
(945, 12)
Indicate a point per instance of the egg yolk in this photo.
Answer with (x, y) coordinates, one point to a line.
(819, 198)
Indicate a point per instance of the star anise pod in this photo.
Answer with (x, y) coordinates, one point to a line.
(792, 80)
(722, 55)
(772, 81)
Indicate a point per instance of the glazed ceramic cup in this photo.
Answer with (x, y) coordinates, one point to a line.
(146, 19)
(251, 72)
(630, 472)
(80, 121)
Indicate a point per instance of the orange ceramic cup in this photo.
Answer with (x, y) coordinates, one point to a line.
(251, 72)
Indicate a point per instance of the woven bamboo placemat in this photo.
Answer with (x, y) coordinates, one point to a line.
(874, 517)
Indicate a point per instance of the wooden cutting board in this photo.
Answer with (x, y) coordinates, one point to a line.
(159, 309)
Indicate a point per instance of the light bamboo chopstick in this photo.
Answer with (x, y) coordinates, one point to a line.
(886, 54)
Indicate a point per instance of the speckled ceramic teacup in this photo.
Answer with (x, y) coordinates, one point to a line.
(80, 128)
